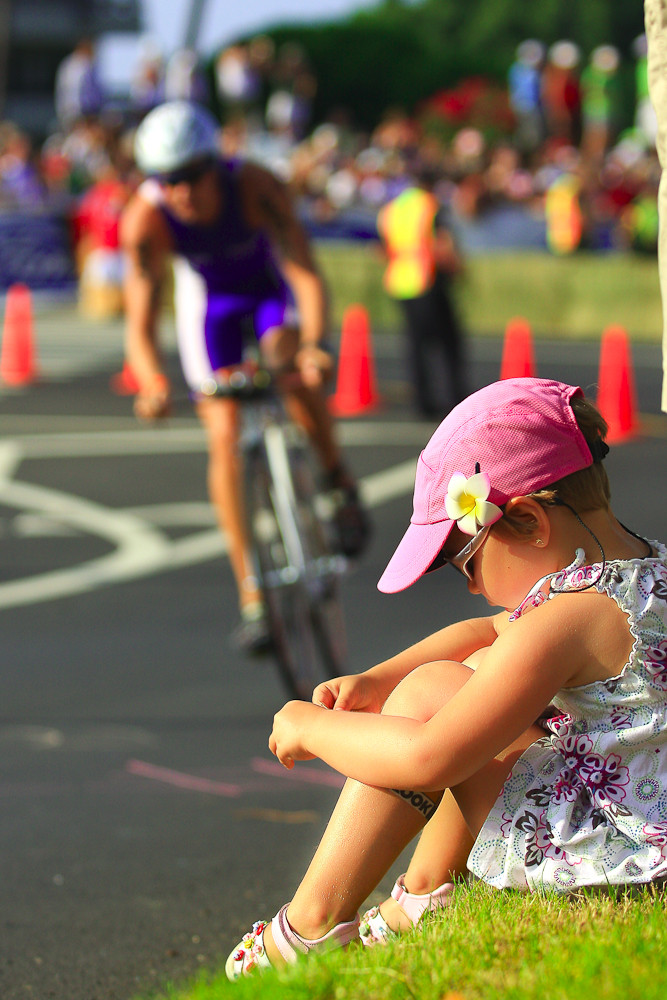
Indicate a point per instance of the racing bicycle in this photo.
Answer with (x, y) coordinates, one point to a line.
(291, 533)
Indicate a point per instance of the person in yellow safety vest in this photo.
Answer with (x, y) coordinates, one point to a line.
(422, 258)
(564, 217)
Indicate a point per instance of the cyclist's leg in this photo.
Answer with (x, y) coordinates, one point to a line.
(220, 418)
(210, 339)
(307, 406)
(279, 341)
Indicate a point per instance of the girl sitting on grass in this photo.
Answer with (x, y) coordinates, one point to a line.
(443, 737)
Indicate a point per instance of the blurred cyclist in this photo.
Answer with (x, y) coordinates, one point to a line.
(241, 260)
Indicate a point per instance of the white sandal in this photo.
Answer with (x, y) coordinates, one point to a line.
(250, 953)
(374, 929)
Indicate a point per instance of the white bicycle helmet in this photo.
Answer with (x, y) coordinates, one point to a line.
(173, 135)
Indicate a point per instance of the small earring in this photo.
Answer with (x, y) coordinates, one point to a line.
(538, 541)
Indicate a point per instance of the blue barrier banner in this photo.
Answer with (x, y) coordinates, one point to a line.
(35, 250)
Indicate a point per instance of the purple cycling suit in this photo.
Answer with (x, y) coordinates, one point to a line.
(226, 281)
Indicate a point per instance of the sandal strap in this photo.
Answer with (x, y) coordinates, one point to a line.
(373, 928)
(249, 953)
(290, 944)
(415, 905)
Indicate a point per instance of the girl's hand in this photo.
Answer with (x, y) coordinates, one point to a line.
(288, 737)
(350, 693)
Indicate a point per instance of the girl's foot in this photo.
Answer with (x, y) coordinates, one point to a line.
(270, 945)
(401, 911)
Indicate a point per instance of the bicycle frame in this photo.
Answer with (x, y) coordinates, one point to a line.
(295, 565)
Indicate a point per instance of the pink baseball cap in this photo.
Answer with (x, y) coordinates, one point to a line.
(520, 432)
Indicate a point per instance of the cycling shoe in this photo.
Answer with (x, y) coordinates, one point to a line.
(253, 633)
(350, 521)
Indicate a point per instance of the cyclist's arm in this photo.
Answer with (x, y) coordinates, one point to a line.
(146, 251)
(269, 206)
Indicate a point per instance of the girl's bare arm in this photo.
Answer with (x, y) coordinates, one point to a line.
(518, 676)
(369, 690)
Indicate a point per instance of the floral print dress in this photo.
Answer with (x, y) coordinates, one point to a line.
(586, 805)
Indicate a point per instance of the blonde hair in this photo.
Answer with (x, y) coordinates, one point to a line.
(587, 489)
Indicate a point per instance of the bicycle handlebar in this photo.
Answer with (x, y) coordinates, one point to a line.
(250, 383)
(240, 384)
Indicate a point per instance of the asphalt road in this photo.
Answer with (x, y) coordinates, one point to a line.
(144, 822)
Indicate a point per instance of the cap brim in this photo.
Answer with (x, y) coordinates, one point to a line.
(419, 546)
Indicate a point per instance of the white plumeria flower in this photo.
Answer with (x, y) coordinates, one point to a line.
(466, 502)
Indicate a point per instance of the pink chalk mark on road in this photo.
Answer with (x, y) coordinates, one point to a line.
(301, 772)
(188, 781)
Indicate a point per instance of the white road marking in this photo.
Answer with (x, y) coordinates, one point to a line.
(11, 455)
(168, 440)
(39, 526)
(36, 737)
(140, 548)
(383, 486)
(82, 738)
(138, 545)
(190, 513)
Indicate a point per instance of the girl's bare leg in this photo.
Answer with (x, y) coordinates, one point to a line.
(440, 856)
(477, 795)
(369, 827)
(368, 830)
(443, 848)
(448, 837)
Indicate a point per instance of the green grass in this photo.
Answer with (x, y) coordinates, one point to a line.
(573, 297)
(488, 946)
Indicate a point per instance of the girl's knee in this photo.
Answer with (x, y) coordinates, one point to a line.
(426, 689)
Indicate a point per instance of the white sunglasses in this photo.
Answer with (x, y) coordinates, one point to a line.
(461, 559)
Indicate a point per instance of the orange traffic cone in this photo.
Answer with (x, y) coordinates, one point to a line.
(518, 360)
(17, 359)
(356, 389)
(617, 401)
(124, 383)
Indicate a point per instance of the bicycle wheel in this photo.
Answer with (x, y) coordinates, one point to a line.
(298, 584)
(324, 565)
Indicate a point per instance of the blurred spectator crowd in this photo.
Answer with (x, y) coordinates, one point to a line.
(550, 145)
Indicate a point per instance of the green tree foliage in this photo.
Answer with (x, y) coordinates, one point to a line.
(400, 52)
